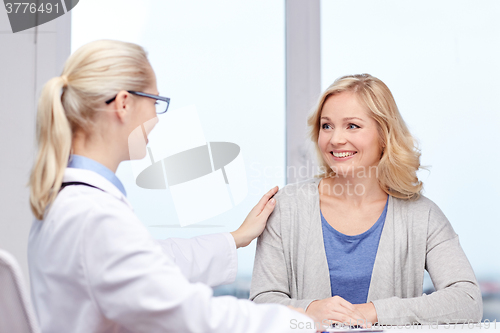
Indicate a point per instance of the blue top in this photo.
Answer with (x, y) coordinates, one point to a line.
(81, 162)
(351, 258)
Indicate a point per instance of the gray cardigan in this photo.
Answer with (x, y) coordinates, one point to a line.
(291, 267)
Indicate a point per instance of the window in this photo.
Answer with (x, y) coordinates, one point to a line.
(440, 60)
(227, 59)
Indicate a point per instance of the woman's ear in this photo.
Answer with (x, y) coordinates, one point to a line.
(122, 105)
(382, 151)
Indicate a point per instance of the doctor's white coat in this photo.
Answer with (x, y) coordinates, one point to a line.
(94, 267)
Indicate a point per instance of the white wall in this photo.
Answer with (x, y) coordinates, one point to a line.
(27, 60)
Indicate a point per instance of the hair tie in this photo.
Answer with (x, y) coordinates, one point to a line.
(65, 80)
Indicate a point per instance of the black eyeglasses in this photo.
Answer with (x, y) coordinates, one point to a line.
(162, 103)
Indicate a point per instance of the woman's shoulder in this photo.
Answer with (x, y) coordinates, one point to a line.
(297, 206)
(299, 193)
(421, 209)
(422, 203)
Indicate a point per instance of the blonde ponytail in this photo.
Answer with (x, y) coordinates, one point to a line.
(93, 74)
(54, 144)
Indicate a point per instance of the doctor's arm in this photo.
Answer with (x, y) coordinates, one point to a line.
(457, 297)
(212, 259)
(132, 283)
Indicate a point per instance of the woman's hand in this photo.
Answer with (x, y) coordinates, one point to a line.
(368, 310)
(319, 329)
(256, 220)
(335, 309)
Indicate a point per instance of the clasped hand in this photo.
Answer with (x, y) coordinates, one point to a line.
(337, 310)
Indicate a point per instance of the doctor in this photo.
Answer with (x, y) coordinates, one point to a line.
(94, 267)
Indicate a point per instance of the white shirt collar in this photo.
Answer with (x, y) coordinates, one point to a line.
(95, 179)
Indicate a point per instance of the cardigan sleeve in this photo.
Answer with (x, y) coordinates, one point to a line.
(270, 278)
(457, 297)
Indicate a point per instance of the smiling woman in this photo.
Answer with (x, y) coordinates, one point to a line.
(369, 111)
(352, 245)
(344, 145)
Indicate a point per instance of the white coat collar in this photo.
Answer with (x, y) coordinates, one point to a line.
(95, 179)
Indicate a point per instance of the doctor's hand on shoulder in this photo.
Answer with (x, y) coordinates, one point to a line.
(256, 220)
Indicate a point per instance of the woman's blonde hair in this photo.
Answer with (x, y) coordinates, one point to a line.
(400, 160)
(93, 74)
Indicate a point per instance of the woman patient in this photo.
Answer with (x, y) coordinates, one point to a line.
(353, 244)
